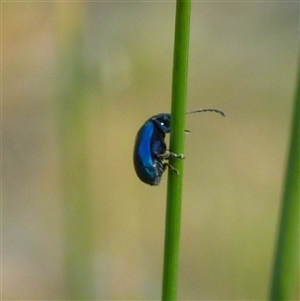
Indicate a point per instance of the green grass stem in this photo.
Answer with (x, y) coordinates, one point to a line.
(286, 264)
(178, 111)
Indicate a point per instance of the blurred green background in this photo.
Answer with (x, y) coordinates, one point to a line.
(113, 63)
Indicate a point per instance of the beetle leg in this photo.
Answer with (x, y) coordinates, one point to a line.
(171, 167)
(164, 155)
(168, 154)
(173, 155)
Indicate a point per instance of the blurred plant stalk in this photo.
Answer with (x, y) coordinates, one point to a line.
(73, 118)
(286, 264)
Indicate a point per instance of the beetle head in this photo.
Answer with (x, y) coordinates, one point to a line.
(163, 121)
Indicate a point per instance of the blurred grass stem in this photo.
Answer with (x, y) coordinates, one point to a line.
(77, 207)
(286, 265)
(174, 190)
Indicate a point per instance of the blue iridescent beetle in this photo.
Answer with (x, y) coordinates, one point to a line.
(150, 150)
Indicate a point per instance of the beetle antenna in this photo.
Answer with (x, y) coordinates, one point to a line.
(207, 110)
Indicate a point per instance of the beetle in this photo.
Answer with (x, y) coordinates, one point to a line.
(150, 150)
